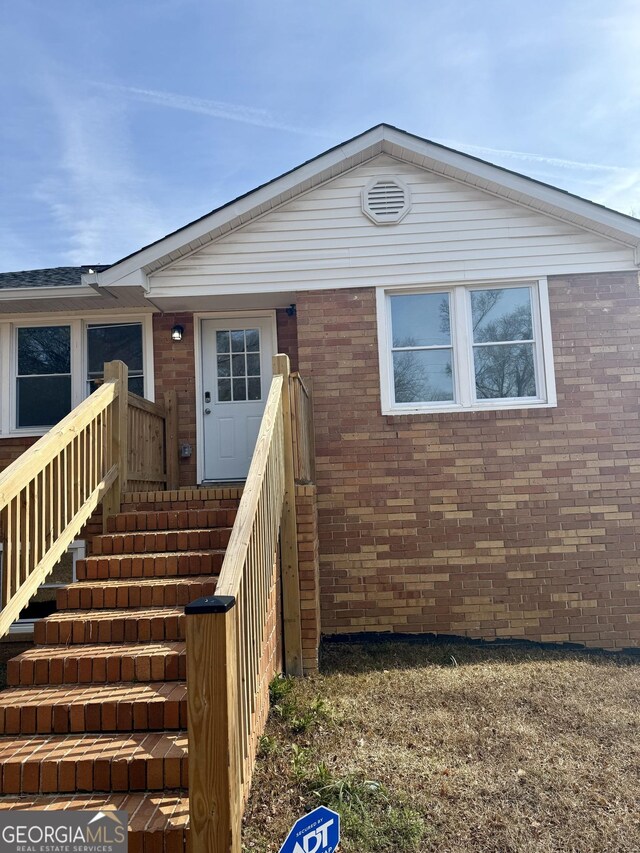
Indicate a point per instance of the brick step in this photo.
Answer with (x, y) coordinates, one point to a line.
(127, 522)
(102, 664)
(140, 625)
(141, 592)
(158, 823)
(214, 498)
(43, 764)
(93, 708)
(150, 565)
(156, 541)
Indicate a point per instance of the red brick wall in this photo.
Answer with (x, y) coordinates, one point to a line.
(11, 448)
(492, 524)
(287, 330)
(308, 567)
(174, 366)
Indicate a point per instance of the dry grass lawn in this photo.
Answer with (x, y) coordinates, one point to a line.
(456, 749)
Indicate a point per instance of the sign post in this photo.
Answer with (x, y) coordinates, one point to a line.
(316, 832)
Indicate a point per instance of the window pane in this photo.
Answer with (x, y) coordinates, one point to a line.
(421, 320)
(224, 366)
(237, 341)
(222, 341)
(253, 340)
(44, 349)
(224, 390)
(505, 371)
(501, 314)
(42, 400)
(239, 389)
(253, 365)
(237, 365)
(136, 385)
(423, 376)
(108, 343)
(254, 389)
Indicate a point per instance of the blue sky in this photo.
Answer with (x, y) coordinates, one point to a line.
(125, 119)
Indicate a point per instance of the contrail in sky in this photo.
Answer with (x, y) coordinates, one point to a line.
(217, 109)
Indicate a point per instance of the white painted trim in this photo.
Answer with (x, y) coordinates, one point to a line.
(22, 293)
(78, 324)
(463, 351)
(197, 350)
(172, 288)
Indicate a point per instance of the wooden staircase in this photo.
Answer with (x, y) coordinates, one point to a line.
(95, 714)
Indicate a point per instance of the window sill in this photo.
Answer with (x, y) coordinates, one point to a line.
(501, 406)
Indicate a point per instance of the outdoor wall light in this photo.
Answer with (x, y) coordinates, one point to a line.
(176, 333)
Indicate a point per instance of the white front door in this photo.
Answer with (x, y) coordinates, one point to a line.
(236, 374)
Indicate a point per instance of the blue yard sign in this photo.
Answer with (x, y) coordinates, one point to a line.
(316, 832)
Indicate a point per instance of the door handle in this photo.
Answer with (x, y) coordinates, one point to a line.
(207, 411)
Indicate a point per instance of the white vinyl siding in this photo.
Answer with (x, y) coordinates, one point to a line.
(453, 232)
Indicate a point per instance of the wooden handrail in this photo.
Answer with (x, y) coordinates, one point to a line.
(231, 637)
(49, 493)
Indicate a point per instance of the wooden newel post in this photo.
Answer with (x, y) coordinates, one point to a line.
(289, 536)
(117, 371)
(215, 817)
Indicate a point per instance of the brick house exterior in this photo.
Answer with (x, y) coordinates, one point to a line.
(486, 519)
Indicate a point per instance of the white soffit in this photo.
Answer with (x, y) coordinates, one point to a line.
(134, 269)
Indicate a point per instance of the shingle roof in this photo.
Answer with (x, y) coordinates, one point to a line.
(55, 277)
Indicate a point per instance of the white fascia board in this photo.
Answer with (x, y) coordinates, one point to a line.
(15, 293)
(504, 181)
(248, 206)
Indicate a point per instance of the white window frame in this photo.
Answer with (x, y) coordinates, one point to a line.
(79, 361)
(462, 341)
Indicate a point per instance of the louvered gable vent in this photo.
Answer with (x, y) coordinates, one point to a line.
(386, 200)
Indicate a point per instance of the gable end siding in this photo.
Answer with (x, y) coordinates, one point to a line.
(452, 233)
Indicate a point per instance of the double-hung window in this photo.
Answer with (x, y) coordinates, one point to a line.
(56, 365)
(43, 376)
(465, 347)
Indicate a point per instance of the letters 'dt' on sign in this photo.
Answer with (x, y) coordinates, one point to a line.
(316, 832)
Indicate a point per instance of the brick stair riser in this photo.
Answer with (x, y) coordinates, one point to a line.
(111, 668)
(148, 566)
(155, 542)
(179, 505)
(105, 595)
(88, 773)
(131, 522)
(84, 629)
(157, 824)
(87, 717)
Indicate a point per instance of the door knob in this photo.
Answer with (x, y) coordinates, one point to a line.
(207, 411)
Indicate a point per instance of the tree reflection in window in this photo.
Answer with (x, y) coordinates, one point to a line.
(503, 344)
(422, 348)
